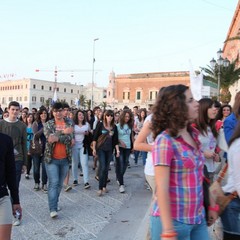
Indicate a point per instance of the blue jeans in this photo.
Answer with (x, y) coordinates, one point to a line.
(144, 156)
(79, 156)
(104, 158)
(56, 171)
(18, 165)
(231, 217)
(184, 231)
(122, 163)
(37, 160)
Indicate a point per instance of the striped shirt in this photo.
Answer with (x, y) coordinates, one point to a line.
(186, 176)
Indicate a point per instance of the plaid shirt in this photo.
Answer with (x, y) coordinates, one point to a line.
(186, 176)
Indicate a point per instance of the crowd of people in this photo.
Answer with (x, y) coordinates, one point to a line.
(177, 139)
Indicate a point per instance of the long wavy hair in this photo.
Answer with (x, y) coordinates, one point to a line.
(220, 111)
(122, 118)
(203, 122)
(107, 113)
(170, 111)
(75, 118)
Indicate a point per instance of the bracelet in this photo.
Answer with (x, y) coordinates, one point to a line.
(215, 208)
(168, 234)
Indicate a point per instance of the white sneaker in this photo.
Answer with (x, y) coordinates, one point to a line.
(121, 189)
(53, 214)
(16, 222)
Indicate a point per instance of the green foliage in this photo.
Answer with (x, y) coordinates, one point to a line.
(228, 75)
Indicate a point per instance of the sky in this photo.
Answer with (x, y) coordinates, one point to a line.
(134, 36)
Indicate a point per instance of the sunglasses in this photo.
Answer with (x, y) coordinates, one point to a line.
(109, 115)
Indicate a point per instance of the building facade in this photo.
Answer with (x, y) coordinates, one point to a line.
(141, 89)
(35, 93)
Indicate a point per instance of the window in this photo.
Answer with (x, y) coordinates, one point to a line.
(42, 87)
(20, 99)
(34, 99)
(3, 100)
(126, 95)
(10, 99)
(42, 99)
(138, 95)
(153, 95)
(64, 89)
(34, 86)
(50, 88)
(25, 98)
(57, 89)
(16, 98)
(71, 91)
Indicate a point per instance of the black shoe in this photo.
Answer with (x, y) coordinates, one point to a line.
(75, 183)
(86, 185)
(27, 176)
(81, 174)
(96, 177)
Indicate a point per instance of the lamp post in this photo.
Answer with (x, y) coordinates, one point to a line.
(94, 40)
(220, 62)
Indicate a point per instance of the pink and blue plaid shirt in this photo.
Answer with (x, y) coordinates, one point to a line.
(186, 176)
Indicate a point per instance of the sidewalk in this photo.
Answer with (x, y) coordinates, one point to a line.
(84, 215)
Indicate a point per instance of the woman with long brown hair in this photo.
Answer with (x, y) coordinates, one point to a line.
(178, 160)
(125, 137)
(106, 130)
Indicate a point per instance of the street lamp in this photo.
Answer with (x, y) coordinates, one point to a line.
(220, 62)
(94, 40)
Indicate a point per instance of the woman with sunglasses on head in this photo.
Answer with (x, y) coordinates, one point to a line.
(106, 130)
(125, 138)
(178, 211)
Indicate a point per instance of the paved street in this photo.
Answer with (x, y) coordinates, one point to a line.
(84, 215)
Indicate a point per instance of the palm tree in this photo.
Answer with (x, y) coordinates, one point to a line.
(88, 103)
(104, 105)
(229, 75)
(82, 100)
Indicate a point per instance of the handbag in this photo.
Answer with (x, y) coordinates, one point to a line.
(221, 140)
(100, 141)
(36, 146)
(217, 193)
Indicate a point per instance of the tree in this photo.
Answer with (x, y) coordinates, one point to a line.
(104, 105)
(228, 76)
(82, 100)
(88, 103)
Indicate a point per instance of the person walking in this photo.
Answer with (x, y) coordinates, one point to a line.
(38, 159)
(125, 139)
(17, 131)
(58, 154)
(8, 207)
(230, 216)
(107, 131)
(80, 153)
(178, 212)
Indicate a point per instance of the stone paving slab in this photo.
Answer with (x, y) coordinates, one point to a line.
(83, 216)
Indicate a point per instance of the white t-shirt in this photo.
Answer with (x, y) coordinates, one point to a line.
(149, 167)
(209, 143)
(79, 133)
(233, 176)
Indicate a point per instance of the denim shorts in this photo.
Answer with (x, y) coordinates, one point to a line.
(184, 231)
(231, 217)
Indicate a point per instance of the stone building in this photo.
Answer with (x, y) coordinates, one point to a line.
(231, 48)
(141, 89)
(34, 92)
